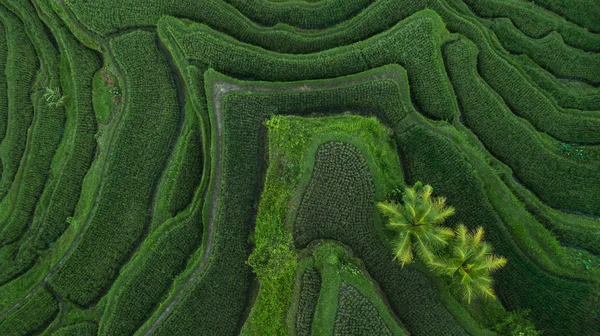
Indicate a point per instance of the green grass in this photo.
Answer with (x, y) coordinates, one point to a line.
(107, 95)
(272, 235)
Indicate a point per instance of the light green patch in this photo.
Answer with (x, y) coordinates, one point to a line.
(106, 95)
(293, 142)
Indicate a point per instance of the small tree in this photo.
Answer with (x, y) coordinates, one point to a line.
(417, 223)
(469, 263)
(54, 98)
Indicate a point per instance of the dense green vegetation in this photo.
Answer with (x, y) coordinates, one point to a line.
(225, 167)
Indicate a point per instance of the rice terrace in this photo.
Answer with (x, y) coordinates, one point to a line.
(300, 167)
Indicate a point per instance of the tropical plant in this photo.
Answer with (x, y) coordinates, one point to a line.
(53, 97)
(516, 323)
(417, 223)
(469, 262)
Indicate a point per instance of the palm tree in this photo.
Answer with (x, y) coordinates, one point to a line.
(469, 262)
(417, 223)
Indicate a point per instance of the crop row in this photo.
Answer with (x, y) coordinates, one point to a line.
(81, 328)
(536, 23)
(60, 195)
(497, 68)
(522, 96)
(338, 204)
(376, 18)
(3, 84)
(356, 315)
(550, 52)
(432, 157)
(421, 57)
(141, 285)
(326, 13)
(581, 12)
(78, 146)
(581, 231)
(184, 170)
(316, 15)
(21, 68)
(567, 94)
(548, 174)
(307, 302)
(339, 195)
(43, 137)
(137, 154)
(173, 238)
(31, 317)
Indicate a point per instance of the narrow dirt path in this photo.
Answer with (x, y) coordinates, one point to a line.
(220, 89)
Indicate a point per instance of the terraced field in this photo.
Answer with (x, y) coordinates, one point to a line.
(212, 167)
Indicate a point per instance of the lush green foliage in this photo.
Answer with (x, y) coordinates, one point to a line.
(141, 184)
(138, 152)
(469, 262)
(273, 259)
(466, 258)
(517, 324)
(340, 180)
(417, 223)
(438, 161)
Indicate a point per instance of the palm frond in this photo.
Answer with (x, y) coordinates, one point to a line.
(478, 235)
(424, 251)
(439, 203)
(444, 266)
(467, 292)
(410, 211)
(396, 224)
(426, 193)
(403, 250)
(409, 195)
(444, 213)
(494, 262)
(389, 209)
(426, 210)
